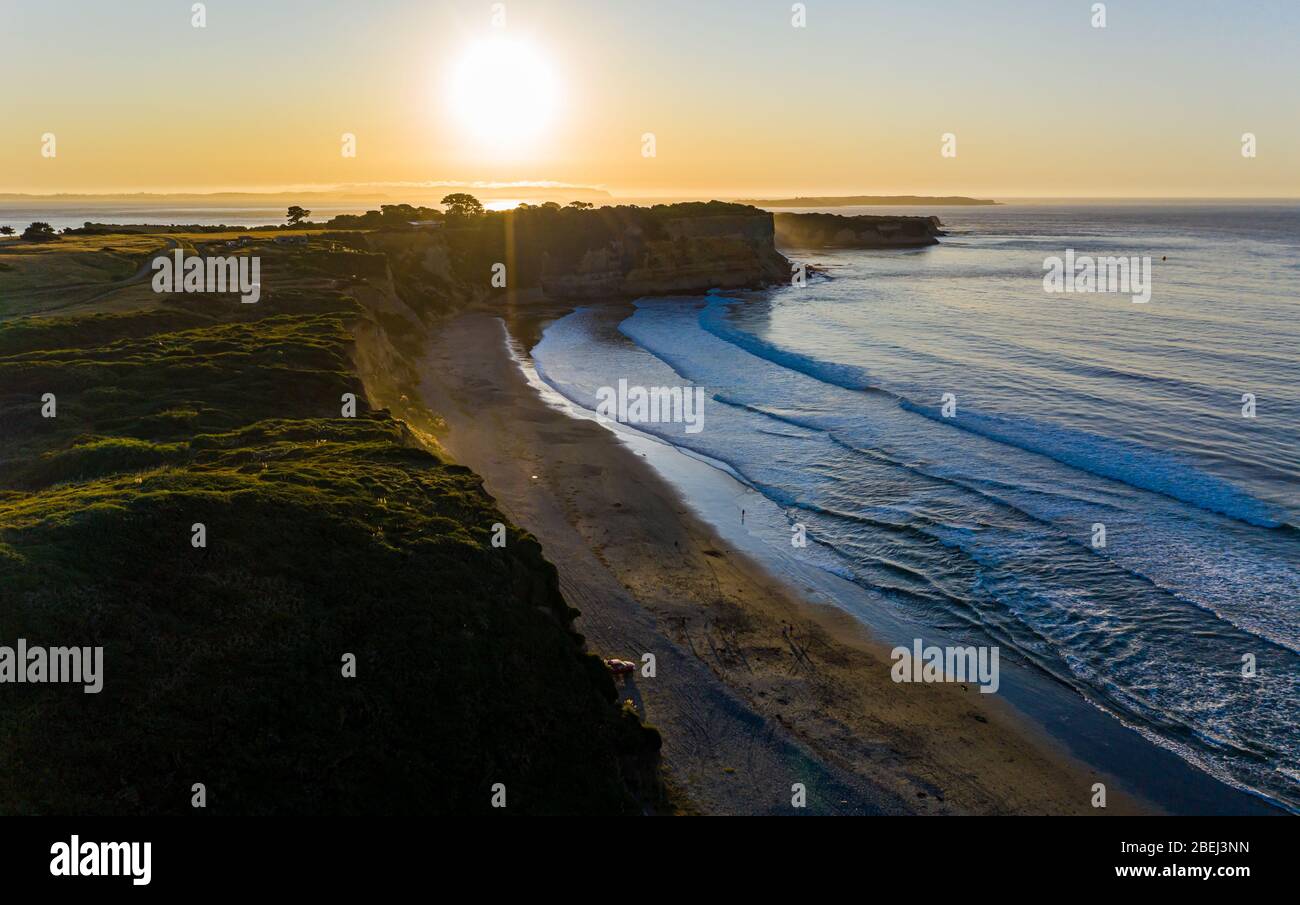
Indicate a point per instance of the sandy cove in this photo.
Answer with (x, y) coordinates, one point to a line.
(756, 689)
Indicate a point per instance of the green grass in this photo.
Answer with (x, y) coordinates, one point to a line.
(72, 260)
(325, 535)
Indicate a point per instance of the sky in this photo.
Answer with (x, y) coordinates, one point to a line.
(741, 103)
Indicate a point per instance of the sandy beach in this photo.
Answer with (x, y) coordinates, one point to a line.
(756, 688)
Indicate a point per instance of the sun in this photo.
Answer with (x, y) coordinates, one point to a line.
(503, 92)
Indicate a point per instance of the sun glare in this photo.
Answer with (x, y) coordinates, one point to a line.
(503, 92)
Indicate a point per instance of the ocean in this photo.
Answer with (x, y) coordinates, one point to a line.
(62, 214)
(1095, 501)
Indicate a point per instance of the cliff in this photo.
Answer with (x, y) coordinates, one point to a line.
(692, 256)
(866, 231)
(609, 252)
(324, 537)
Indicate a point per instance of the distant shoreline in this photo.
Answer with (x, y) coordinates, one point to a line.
(867, 200)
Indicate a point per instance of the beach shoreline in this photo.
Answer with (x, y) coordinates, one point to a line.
(758, 686)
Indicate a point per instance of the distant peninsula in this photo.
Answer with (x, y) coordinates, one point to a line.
(863, 200)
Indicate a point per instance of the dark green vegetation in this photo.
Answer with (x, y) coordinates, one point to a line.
(325, 535)
(389, 216)
(39, 232)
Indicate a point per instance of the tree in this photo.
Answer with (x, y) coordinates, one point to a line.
(581, 205)
(459, 204)
(39, 232)
(297, 215)
(6, 230)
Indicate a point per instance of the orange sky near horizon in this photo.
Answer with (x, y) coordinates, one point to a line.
(739, 100)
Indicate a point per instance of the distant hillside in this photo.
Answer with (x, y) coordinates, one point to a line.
(864, 200)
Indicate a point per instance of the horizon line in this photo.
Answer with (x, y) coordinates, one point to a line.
(359, 191)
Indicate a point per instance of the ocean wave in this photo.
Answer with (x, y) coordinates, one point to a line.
(713, 318)
(1114, 459)
(919, 529)
(1105, 641)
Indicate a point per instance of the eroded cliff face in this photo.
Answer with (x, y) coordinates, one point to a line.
(419, 266)
(867, 231)
(618, 252)
(692, 256)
